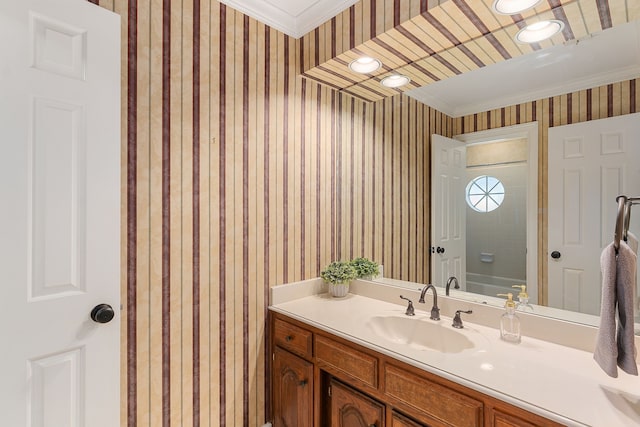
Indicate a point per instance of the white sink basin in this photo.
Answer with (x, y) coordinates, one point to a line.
(422, 334)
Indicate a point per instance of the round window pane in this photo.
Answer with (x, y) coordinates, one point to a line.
(485, 193)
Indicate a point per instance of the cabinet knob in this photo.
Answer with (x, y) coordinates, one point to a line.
(288, 338)
(303, 383)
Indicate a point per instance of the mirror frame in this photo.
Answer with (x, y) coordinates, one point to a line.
(529, 131)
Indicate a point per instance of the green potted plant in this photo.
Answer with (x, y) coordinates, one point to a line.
(365, 268)
(338, 275)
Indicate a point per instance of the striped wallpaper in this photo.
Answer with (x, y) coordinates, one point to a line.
(239, 175)
(591, 104)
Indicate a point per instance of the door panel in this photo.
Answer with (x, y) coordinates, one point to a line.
(56, 200)
(60, 222)
(590, 164)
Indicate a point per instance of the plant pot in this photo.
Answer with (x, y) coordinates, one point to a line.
(339, 291)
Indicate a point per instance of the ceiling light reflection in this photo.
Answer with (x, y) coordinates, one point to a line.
(395, 80)
(539, 31)
(365, 65)
(512, 7)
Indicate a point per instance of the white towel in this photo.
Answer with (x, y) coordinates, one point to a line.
(618, 282)
(632, 241)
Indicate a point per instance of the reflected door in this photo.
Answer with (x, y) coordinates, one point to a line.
(590, 164)
(60, 215)
(448, 220)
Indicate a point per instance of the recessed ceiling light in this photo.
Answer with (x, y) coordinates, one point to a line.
(539, 31)
(395, 80)
(365, 65)
(511, 7)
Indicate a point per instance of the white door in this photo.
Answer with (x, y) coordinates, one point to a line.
(59, 214)
(448, 213)
(590, 164)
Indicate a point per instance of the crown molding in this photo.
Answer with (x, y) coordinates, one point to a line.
(605, 78)
(292, 25)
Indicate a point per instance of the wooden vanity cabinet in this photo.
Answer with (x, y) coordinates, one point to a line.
(320, 380)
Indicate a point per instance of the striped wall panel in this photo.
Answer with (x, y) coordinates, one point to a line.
(591, 104)
(383, 169)
(239, 175)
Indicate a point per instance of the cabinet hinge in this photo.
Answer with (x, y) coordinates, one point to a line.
(273, 356)
(329, 391)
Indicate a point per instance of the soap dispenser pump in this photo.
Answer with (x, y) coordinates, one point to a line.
(523, 298)
(509, 322)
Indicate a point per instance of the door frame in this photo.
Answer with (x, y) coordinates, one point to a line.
(529, 131)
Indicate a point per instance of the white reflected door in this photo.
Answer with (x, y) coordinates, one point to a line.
(448, 218)
(60, 214)
(590, 164)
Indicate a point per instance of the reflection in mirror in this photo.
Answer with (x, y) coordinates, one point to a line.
(496, 216)
(561, 88)
(501, 245)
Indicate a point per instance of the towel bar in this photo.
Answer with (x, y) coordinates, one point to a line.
(623, 218)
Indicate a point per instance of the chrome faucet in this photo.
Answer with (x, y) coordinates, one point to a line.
(435, 311)
(452, 279)
(457, 320)
(410, 310)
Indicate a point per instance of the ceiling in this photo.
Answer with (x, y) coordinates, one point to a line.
(293, 17)
(462, 57)
(609, 56)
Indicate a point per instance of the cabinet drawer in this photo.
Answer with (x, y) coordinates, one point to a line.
(293, 338)
(350, 361)
(432, 399)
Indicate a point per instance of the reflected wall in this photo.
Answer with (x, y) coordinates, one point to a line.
(591, 104)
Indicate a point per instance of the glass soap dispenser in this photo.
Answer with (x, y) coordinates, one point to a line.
(523, 298)
(509, 322)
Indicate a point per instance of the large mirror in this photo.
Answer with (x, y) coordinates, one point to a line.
(510, 230)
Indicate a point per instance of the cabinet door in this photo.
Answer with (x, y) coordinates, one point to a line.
(350, 408)
(292, 390)
(503, 419)
(398, 420)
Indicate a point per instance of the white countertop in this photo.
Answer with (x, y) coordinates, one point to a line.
(560, 383)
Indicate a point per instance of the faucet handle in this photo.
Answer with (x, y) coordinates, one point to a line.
(457, 320)
(410, 310)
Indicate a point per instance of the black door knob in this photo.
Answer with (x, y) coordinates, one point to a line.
(555, 254)
(102, 313)
(440, 250)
